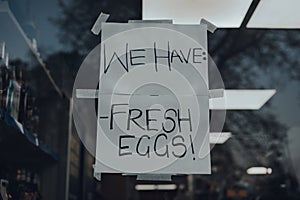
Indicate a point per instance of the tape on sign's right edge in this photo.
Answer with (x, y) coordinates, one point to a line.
(210, 26)
(216, 93)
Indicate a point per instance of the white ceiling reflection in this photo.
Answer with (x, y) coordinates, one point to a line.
(259, 170)
(241, 100)
(276, 14)
(219, 138)
(222, 13)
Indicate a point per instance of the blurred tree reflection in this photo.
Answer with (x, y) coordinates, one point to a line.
(79, 16)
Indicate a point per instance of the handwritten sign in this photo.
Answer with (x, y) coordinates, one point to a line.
(153, 100)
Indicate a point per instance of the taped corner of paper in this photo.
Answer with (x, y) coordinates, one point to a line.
(96, 29)
(210, 26)
(97, 176)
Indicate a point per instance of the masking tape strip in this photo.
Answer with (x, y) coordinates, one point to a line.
(216, 93)
(210, 26)
(97, 25)
(97, 175)
(154, 177)
(86, 93)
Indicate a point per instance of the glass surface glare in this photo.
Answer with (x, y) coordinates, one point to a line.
(224, 14)
(276, 14)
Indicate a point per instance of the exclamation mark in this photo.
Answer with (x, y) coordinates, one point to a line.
(192, 146)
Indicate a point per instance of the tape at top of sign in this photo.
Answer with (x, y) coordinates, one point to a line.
(210, 26)
(97, 25)
(165, 21)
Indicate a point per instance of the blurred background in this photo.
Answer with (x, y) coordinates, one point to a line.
(43, 44)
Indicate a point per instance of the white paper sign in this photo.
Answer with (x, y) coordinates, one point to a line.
(153, 103)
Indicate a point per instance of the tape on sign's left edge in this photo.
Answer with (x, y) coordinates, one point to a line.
(96, 29)
(86, 93)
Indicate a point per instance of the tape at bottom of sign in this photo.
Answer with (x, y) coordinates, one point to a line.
(154, 177)
(97, 176)
(143, 177)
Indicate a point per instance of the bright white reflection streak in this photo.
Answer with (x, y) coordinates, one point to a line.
(241, 100)
(281, 14)
(219, 138)
(259, 171)
(232, 100)
(222, 13)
